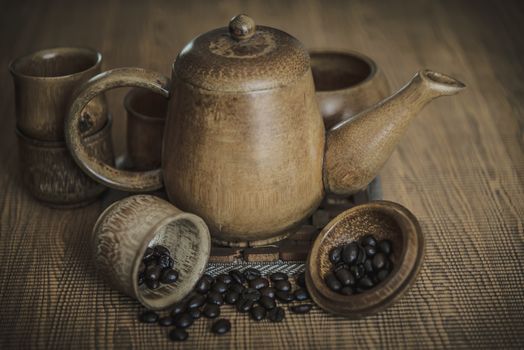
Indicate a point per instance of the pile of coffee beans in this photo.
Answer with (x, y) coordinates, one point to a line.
(359, 266)
(157, 267)
(260, 297)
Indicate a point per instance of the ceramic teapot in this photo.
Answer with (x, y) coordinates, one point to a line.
(244, 145)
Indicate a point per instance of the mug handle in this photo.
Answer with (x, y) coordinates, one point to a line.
(108, 175)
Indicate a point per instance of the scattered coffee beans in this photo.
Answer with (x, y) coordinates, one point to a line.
(248, 291)
(357, 266)
(156, 268)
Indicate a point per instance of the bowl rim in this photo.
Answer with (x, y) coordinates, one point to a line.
(373, 73)
(399, 280)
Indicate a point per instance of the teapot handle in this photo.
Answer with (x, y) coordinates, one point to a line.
(108, 175)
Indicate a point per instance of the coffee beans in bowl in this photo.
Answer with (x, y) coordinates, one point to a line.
(157, 268)
(365, 259)
(359, 265)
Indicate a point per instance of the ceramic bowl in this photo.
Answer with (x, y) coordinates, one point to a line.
(127, 227)
(346, 83)
(384, 220)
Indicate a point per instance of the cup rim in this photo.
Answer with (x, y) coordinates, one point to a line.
(128, 106)
(15, 72)
(348, 53)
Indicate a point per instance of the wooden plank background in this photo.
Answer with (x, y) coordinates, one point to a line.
(459, 168)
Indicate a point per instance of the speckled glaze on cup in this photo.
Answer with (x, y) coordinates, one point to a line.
(126, 228)
(44, 83)
(346, 83)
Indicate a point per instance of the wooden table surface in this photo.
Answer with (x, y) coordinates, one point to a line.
(460, 169)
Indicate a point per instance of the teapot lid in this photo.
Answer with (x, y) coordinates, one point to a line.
(242, 57)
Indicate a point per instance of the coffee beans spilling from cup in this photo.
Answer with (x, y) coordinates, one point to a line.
(359, 266)
(156, 268)
(260, 297)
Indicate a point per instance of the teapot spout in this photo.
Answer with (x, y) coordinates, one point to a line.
(357, 148)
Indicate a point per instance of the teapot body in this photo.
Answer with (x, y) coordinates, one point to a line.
(249, 163)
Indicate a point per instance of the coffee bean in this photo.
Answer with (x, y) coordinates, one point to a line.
(211, 311)
(183, 320)
(204, 284)
(301, 309)
(368, 240)
(284, 296)
(165, 261)
(141, 279)
(347, 290)
(379, 261)
(251, 273)
(259, 283)
(161, 250)
(267, 303)
(340, 265)
(382, 274)
(149, 317)
(166, 321)
(244, 305)
(283, 286)
(221, 326)
(251, 294)
(153, 272)
(214, 297)
(195, 313)
(237, 276)
(358, 271)
(301, 294)
(368, 266)
(301, 280)
(332, 282)
(361, 255)
(219, 287)
(178, 334)
(370, 251)
(231, 297)
(149, 255)
(278, 276)
(385, 246)
(277, 314)
(350, 253)
(224, 278)
(335, 254)
(152, 284)
(196, 301)
(365, 283)
(258, 313)
(178, 308)
(359, 290)
(268, 292)
(168, 276)
(345, 277)
(235, 287)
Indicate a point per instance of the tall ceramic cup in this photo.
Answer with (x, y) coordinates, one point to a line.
(44, 81)
(346, 83)
(146, 117)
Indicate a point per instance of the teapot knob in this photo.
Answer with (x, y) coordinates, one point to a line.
(242, 27)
